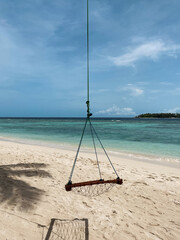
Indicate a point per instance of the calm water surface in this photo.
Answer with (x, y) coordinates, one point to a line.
(145, 136)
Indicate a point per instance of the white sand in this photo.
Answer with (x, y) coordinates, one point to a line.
(32, 179)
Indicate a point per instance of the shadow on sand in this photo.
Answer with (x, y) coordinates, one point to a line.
(17, 192)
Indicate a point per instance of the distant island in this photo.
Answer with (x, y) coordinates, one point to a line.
(159, 115)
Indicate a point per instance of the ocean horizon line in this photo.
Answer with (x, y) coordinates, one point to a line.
(66, 117)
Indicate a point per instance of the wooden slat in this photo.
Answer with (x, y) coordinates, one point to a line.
(68, 187)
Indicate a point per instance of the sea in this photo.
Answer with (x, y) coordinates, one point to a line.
(156, 139)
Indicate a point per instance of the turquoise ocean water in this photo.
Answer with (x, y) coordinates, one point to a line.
(156, 137)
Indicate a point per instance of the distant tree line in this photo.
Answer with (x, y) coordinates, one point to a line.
(159, 115)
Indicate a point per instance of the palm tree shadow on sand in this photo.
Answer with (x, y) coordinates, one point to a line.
(17, 192)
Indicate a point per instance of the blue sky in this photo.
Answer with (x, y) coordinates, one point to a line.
(134, 57)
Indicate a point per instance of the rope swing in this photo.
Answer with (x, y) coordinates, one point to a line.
(101, 182)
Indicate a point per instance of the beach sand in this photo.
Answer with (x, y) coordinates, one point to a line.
(32, 193)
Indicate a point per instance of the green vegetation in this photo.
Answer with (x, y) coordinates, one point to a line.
(159, 115)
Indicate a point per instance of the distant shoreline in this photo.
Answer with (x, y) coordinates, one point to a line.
(156, 118)
(159, 115)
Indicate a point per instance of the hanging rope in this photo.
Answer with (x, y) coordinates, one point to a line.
(77, 152)
(87, 102)
(93, 131)
(92, 134)
(87, 51)
(69, 185)
(104, 149)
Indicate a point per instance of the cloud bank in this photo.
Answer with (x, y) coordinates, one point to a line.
(174, 110)
(116, 111)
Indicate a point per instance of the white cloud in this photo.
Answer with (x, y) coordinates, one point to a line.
(174, 110)
(133, 90)
(116, 111)
(136, 91)
(148, 50)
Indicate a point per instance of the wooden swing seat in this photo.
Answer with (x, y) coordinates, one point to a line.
(69, 186)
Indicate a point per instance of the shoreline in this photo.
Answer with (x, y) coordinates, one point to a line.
(141, 157)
